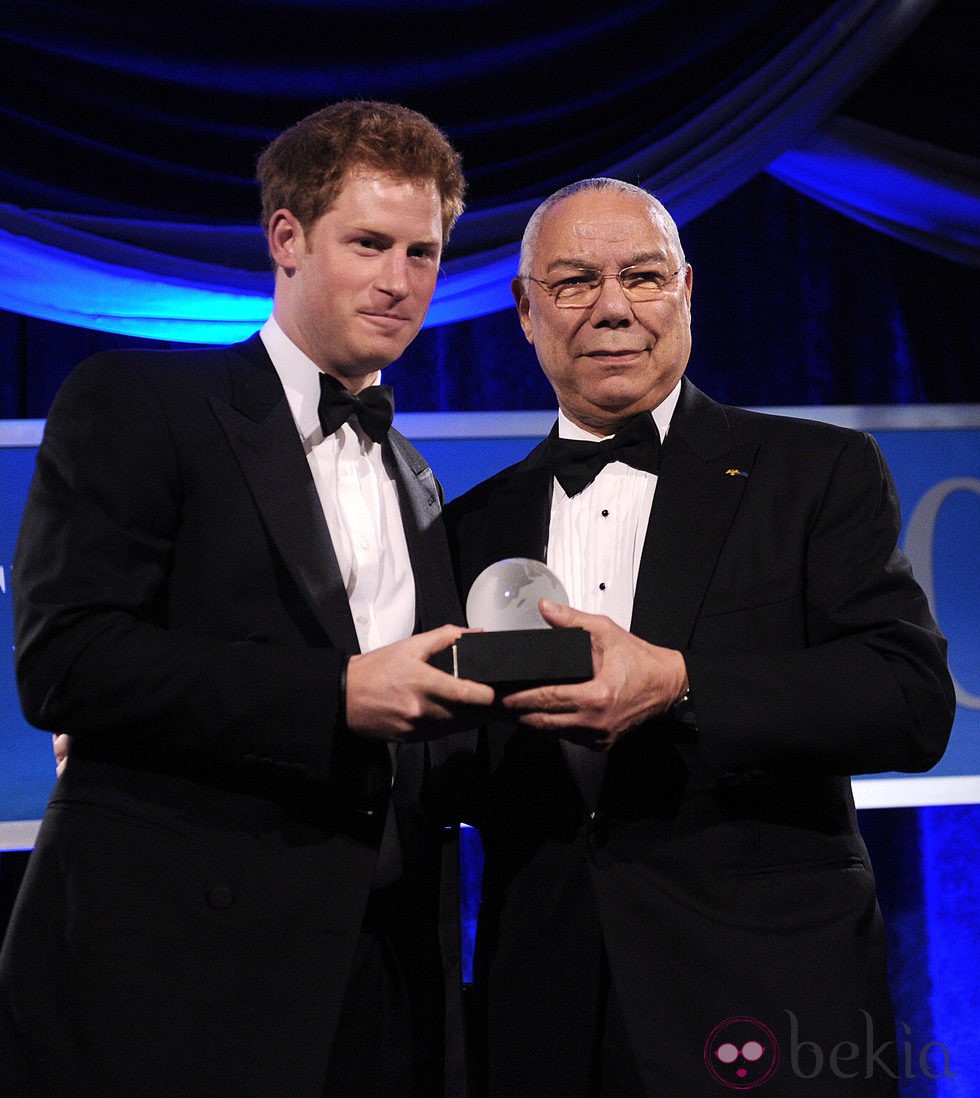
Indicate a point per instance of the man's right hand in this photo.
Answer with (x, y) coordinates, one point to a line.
(394, 693)
(60, 742)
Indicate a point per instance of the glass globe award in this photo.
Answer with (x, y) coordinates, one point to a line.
(505, 595)
(517, 646)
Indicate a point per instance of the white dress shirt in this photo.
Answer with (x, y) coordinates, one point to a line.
(596, 537)
(595, 541)
(359, 500)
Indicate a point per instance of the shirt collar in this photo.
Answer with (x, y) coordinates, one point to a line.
(662, 416)
(299, 374)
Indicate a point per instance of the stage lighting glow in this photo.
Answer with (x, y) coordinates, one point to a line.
(44, 281)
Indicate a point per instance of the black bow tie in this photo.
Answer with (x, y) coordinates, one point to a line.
(374, 408)
(576, 463)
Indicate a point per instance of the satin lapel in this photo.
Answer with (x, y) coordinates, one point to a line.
(418, 494)
(520, 510)
(435, 591)
(702, 477)
(262, 434)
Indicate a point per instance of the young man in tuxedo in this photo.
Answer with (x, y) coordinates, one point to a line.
(671, 848)
(230, 577)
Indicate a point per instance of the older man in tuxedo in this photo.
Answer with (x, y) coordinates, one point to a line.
(223, 560)
(675, 889)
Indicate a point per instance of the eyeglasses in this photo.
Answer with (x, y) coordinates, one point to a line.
(581, 290)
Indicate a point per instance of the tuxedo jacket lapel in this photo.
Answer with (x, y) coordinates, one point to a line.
(262, 434)
(703, 474)
(435, 593)
(419, 498)
(519, 516)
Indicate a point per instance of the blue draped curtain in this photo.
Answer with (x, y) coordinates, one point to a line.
(128, 207)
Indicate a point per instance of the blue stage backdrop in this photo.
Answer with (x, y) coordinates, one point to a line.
(934, 455)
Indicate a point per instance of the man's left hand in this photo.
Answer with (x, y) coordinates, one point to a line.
(632, 682)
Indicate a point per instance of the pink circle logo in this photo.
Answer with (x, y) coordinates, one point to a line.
(741, 1053)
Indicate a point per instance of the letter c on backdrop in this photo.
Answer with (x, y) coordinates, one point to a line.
(919, 547)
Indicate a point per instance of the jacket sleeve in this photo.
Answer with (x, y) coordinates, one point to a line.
(868, 690)
(97, 653)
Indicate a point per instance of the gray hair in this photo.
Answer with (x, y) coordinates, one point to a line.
(598, 183)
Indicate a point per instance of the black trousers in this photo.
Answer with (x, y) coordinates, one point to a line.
(601, 1049)
(389, 1039)
(614, 1073)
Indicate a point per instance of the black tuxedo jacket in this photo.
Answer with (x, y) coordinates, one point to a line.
(723, 869)
(188, 920)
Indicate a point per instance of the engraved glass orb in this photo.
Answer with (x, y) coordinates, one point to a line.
(505, 595)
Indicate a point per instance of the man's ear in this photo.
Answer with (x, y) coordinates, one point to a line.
(518, 289)
(286, 239)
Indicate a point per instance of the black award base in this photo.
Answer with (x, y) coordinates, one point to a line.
(520, 657)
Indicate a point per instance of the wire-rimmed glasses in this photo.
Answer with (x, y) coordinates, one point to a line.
(581, 290)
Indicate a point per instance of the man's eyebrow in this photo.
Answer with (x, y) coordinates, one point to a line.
(365, 230)
(386, 238)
